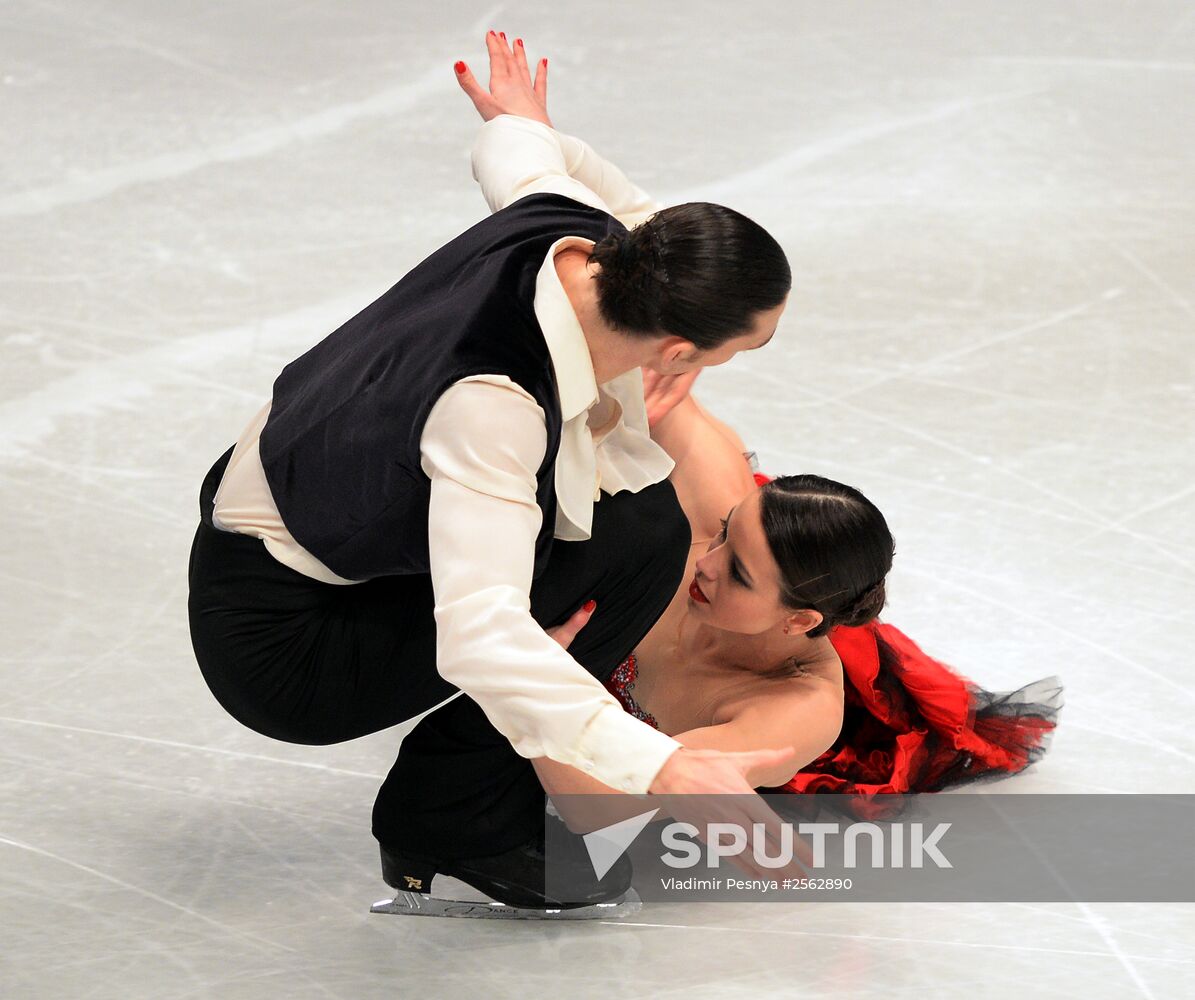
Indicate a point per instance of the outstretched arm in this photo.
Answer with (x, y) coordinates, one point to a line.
(804, 719)
(518, 153)
(711, 473)
(627, 202)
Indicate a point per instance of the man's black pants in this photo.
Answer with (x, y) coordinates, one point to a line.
(314, 663)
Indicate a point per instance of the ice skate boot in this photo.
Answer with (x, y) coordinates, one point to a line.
(515, 883)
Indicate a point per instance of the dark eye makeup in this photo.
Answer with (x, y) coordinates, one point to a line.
(734, 563)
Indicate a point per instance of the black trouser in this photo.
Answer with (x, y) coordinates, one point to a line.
(314, 663)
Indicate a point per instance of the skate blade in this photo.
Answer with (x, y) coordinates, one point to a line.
(417, 904)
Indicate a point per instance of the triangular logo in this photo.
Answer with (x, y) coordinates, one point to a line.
(607, 845)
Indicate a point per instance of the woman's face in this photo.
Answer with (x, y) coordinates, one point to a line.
(737, 583)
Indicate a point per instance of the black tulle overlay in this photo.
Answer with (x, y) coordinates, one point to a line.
(913, 724)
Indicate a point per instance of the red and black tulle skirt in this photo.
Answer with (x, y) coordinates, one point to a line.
(913, 724)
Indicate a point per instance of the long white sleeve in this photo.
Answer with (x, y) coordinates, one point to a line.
(627, 202)
(514, 157)
(481, 444)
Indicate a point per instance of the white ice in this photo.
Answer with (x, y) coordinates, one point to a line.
(988, 208)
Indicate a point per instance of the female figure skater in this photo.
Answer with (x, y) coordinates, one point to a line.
(772, 640)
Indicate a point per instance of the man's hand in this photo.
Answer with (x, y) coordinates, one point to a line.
(511, 90)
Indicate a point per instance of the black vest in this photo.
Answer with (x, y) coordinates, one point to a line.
(341, 446)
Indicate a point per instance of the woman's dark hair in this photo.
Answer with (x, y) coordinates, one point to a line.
(833, 547)
(697, 271)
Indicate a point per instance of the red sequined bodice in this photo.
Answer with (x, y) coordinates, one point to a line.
(620, 684)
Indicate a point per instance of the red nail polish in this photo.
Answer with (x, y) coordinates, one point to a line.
(519, 42)
(545, 64)
(589, 606)
(503, 34)
(460, 67)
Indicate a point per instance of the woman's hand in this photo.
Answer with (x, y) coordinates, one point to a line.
(511, 90)
(566, 633)
(662, 393)
(705, 787)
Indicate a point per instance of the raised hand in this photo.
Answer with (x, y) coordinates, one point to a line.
(511, 90)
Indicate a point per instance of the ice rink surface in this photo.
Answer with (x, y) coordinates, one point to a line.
(988, 208)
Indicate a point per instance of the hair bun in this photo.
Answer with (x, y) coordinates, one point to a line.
(630, 259)
(631, 273)
(864, 608)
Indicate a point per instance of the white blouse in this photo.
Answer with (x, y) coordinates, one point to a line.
(481, 445)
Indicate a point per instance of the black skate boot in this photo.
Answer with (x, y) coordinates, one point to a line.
(515, 880)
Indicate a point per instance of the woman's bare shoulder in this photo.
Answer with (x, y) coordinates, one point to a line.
(808, 690)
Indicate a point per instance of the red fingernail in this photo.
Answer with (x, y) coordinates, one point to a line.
(503, 34)
(519, 42)
(460, 67)
(545, 64)
(589, 606)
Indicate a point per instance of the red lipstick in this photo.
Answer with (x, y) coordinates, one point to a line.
(696, 594)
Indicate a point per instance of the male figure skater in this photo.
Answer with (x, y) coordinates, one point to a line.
(463, 464)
